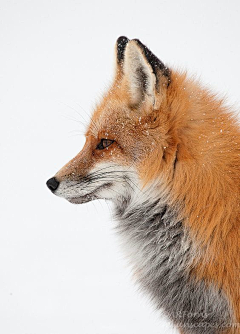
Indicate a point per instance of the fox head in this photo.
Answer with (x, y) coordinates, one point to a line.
(128, 142)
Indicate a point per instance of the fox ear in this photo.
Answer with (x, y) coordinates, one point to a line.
(143, 72)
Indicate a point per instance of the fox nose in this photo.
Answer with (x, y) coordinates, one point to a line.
(52, 184)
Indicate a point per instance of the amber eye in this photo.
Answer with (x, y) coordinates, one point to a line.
(104, 143)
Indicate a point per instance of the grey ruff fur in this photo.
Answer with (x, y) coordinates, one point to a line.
(161, 253)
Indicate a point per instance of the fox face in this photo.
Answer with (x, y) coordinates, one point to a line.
(127, 134)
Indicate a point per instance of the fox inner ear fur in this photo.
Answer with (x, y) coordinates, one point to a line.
(144, 74)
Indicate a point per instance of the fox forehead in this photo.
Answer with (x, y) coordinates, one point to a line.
(110, 119)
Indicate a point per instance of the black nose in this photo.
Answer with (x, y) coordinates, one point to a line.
(52, 184)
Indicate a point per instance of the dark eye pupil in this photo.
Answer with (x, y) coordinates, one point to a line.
(104, 143)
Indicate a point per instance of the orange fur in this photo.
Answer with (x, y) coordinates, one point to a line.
(206, 182)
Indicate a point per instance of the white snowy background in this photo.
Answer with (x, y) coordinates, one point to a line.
(61, 268)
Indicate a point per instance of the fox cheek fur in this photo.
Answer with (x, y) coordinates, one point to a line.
(167, 153)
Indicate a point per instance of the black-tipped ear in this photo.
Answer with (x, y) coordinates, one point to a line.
(120, 48)
(156, 64)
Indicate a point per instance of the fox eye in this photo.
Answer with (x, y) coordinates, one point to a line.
(104, 143)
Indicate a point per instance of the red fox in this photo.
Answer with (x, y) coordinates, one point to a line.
(166, 152)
